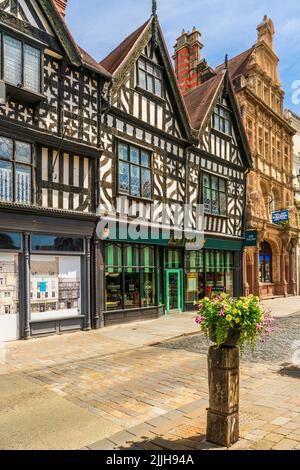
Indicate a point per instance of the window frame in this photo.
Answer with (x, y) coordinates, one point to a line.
(223, 118)
(16, 162)
(139, 165)
(24, 42)
(219, 191)
(155, 66)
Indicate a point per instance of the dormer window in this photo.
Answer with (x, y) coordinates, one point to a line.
(22, 64)
(150, 77)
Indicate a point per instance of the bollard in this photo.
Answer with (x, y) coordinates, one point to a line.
(224, 382)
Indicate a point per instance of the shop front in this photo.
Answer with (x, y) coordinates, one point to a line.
(133, 282)
(44, 276)
(141, 281)
(10, 254)
(216, 269)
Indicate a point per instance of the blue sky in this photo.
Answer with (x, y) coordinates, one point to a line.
(226, 27)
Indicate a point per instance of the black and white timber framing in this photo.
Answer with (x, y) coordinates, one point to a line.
(74, 142)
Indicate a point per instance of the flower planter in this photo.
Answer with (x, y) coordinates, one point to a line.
(231, 340)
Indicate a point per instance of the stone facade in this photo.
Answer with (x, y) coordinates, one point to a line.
(270, 184)
(295, 122)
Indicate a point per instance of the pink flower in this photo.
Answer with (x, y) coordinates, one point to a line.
(199, 320)
(200, 307)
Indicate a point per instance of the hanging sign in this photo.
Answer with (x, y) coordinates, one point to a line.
(280, 216)
(251, 238)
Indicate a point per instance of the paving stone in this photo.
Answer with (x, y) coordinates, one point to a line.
(280, 421)
(105, 444)
(286, 444)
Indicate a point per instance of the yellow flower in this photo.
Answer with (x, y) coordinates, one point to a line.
(237, 320)
(229, 318)
(235, 310)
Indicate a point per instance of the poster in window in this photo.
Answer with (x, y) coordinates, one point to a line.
(55, 287)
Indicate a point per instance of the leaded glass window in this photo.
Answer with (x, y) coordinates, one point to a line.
(134, 171)
(22, 64)
(221, 120)
(214, 195)
(32, 67)
(12, 60)
(15, 171)
(150, 77)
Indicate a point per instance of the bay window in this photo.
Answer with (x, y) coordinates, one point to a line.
(15, 171)
(22, 64)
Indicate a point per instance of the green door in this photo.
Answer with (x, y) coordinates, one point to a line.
(174, 290)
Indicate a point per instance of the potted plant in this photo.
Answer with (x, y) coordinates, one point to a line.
(229, 321)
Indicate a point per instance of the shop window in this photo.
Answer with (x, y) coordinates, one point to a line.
(214, 195)
(265, 262)
(130, 276)
(15, 171)
(134, 169)
(194, 266)
(58, 275)
(173, 259)
(57, 244)
(150, 77)
(9, 285)
(10, 241)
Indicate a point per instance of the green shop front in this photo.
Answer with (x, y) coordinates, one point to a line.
(216, 269)
(147, 279)
(141, 280)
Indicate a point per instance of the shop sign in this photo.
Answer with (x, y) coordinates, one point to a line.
(251, 238)
(280, 216)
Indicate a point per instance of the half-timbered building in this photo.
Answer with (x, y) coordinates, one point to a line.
(162, 150)
(218, 163)
(51, 96)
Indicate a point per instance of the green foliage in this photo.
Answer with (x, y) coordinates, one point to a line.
(217, 316)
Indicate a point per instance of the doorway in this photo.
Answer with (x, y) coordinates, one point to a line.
(174, 290)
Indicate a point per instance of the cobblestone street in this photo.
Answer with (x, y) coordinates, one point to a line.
(90, 390)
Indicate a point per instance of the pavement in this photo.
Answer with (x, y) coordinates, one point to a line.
(138, 386)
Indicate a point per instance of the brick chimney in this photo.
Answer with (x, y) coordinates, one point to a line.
(187, 58)
(61, 5)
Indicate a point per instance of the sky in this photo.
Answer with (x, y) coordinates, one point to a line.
(227, 27)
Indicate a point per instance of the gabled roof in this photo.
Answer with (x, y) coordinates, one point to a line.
(119, 59)
(199, 101)
(92, 63)
(238, 64)
(116, 57)
(75, 54)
